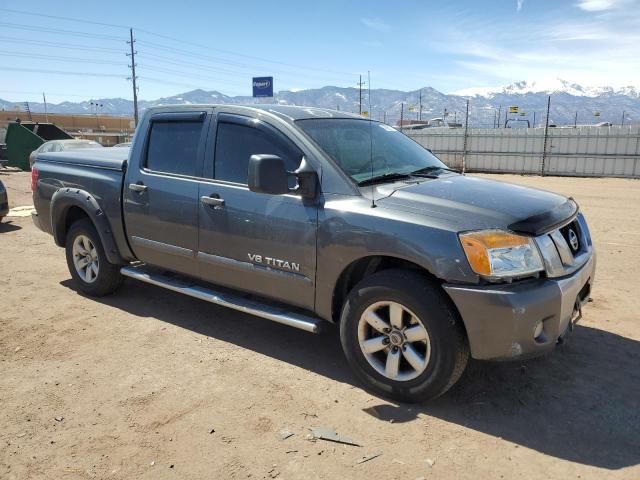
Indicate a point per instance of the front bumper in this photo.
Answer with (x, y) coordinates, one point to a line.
(501, 319)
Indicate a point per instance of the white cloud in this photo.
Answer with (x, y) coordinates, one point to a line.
(594, 50)
(598, 5)
(519, 4)
(375, 24)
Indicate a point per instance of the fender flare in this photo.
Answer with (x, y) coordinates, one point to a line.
(65, 198)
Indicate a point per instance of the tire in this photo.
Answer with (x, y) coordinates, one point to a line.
(442, 353)
(102, 279)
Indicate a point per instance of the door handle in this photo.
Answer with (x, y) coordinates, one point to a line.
(213, 201)
(137, 187)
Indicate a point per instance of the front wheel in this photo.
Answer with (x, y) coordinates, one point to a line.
(87, 261)
(402, 336)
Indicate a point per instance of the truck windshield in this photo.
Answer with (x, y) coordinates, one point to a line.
(355, 144)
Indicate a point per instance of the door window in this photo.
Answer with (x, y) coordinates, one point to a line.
(173, 147)
(236, 143)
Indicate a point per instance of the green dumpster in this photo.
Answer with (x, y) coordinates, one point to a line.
(23, 138)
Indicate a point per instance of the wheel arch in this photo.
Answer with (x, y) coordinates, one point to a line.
(70, 205)
(363, 267)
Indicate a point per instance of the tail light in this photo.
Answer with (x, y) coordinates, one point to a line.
(34, 179)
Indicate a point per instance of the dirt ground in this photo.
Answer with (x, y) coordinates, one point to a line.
(149, 384)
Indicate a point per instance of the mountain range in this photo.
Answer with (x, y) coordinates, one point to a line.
(530, 97)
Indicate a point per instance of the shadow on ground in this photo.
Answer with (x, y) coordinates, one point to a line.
(580, 404)
(7, 226)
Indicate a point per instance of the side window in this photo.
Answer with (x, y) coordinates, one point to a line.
(236, 143)
(173, 147)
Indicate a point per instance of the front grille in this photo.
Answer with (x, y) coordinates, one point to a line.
(567, 248)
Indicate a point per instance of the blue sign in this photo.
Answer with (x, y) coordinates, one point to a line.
(263, 86)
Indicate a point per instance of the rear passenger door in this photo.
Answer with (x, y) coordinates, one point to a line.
(161, 191)
(263, 244)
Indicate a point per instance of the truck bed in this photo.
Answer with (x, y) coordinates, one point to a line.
(98, 173)
(108, 158)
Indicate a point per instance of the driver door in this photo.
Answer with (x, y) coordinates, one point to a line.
(260, 243)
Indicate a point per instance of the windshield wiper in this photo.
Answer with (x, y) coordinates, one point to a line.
(383, 178)
(433, 168)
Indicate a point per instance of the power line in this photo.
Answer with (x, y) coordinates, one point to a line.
(58, 17)
(63, 72)
(55, 94)
(7, 53)
(179, 84)
(209, 48)
(70, 46)
(209, 59)
(233, 73)
(58, 31)
(179, 73)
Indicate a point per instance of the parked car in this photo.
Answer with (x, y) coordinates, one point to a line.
(4, 201)
(420, 266)
(122, 145)
(62, 146)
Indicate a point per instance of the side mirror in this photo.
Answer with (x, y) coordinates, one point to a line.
(267, 174)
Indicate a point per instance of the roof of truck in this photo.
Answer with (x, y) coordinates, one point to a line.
(289, 113)
(293, 113)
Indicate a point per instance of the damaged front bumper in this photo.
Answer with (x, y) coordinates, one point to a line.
(521, 319)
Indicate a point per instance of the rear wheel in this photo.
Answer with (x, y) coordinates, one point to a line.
(87, 261)
(402, 336)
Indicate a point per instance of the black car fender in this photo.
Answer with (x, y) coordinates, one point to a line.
(66, 198)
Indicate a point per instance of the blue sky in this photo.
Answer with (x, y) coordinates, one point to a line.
(219, 45)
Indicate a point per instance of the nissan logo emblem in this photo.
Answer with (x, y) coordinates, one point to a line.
(573, 240)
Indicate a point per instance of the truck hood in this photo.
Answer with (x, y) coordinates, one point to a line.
(470, 203)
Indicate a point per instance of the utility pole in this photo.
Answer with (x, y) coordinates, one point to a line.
(420, 111)
(546, 136)
(534, 119)
(133, 77)
(401, 115)
(466, 136)
(622, 122)
(499, 115)
(360, 87)
(46, 116)
(575, 121)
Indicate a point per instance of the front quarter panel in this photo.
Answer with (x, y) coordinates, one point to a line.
(349, 229)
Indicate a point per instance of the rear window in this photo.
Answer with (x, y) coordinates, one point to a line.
(173, 147)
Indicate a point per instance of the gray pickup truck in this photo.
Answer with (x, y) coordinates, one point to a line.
(304, 215)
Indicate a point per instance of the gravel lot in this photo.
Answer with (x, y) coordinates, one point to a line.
(149, 384)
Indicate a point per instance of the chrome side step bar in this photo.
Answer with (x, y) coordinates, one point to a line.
(230, 300)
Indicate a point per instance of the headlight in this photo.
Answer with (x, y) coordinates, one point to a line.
(495, 253)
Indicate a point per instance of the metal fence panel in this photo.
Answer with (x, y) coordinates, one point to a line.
(582, 151)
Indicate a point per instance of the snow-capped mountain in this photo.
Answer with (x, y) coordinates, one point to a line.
(548, 86)
(567, 99)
